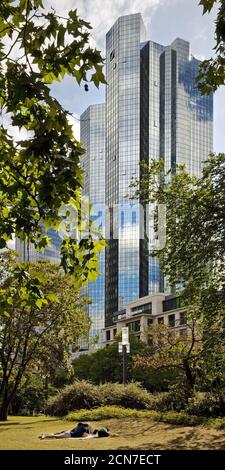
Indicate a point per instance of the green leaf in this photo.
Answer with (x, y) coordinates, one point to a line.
(39, 303)
(53, 297)
(61, 35)
(5, 212)
(207, 5)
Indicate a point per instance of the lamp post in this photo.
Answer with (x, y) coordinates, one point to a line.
(124, 348)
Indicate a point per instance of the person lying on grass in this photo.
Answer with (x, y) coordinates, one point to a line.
(82, 430)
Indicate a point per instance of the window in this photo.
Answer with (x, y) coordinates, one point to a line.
(155, 83)
(183, 333)
(171, 320)
(183, 318)
(171, 304)
(144, 309)
(150, 322)
(122, 219)
(156, 123)
(108, 335)
(134, 325)
(134, 218)
(114, 332)
(161, 321)
(112, 55)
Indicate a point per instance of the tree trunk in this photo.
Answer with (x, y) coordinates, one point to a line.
(190, 379)
(4, 411)
(46, 387)
(4, 408)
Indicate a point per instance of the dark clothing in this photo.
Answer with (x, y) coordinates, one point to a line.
(81, 429)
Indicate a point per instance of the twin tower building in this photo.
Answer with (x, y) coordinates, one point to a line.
(153, 110)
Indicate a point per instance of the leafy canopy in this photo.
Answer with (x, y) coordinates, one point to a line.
(38, 331)
(212, 71)
(41, 172)
(193, 258)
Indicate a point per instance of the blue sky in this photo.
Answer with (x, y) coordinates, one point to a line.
(165, 20)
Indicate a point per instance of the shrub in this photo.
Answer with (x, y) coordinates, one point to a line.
(83, 394)
(110, 412)
(104, 412)
(77, 396)
(208, 404)
(181, 418)
(216, 423)
(128, 396)
(174, 400)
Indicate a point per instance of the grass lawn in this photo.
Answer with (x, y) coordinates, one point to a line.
(22, 433)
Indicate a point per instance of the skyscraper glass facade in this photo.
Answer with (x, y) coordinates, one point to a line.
(93, 163)
(186, 126)
(27, 251)
(153, 110)
(122, 161)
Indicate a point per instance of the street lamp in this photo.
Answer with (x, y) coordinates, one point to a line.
(124, 348)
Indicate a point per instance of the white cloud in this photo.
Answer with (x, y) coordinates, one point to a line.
(102, 14)
(75, 123)
(16, 133)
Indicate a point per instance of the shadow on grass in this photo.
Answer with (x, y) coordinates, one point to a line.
(190, 440)
(163, 436)
(22, 424)
(6, 423)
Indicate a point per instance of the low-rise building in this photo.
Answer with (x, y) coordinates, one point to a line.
(152, 309)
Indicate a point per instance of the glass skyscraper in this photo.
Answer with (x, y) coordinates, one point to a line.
(153, 110)
(125, 253)
(186, 117)
(27, 251)
(92, 126)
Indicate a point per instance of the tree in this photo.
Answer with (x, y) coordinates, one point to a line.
(36, 335)
(105, 365)
(212, 71)
(30, 396)
(42, 173)
(195, 220)
(171, 351)
(193, 258)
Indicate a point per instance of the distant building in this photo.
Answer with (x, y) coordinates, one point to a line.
(27, 251)
(140, 314)
(92, 132)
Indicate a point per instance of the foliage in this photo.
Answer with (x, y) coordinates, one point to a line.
(212, 71)
(30, 397)
(216, 423)
(79, 395)
(174, 400)
(130, 395)
(193, 256)
(105, 365)
(108, 412)
(208, 404)
(83, 394)
(36, 335)
(170, 350)
(195, 220)
(41, 173)
(173, 417)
